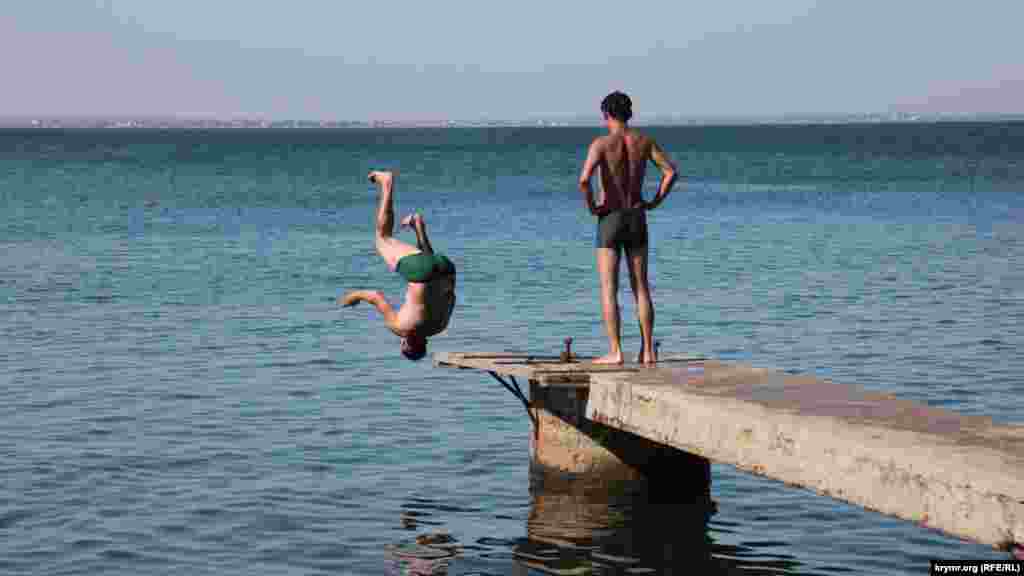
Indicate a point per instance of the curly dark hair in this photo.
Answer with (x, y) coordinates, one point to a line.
(618, 106)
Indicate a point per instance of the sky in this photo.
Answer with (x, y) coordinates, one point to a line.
(462, 60)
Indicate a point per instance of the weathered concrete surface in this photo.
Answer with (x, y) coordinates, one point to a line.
(545, 370)
(565, 441)
(562, 440)
(959, 474)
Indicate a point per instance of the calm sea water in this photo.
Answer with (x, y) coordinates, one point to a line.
(182, 395)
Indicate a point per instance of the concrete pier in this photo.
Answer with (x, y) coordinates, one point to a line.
(564, 440)
(963, 475)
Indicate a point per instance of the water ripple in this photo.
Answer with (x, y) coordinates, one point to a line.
(181, 393)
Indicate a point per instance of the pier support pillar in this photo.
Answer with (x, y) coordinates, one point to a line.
(564, 440)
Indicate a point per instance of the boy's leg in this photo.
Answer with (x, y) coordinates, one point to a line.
(636, 259)
(390, 249)
(608, 269)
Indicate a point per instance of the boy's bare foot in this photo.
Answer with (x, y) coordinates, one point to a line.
(644, 358)
(609, 359)
(380, 177)
(411, 220)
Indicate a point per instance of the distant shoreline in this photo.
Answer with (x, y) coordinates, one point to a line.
(214, 124)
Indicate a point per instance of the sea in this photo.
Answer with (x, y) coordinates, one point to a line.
(183, 395)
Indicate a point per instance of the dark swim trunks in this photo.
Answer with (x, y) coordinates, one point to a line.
(423, 268)
(622, 229)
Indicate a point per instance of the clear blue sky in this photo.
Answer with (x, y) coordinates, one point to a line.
(348, 60)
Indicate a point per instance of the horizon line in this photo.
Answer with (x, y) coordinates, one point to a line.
(580, 117)
(156, 121)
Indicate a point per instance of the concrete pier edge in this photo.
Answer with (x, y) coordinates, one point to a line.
(967, 491)
(958, 474)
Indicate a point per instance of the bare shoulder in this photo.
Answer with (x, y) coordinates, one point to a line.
(640, 138)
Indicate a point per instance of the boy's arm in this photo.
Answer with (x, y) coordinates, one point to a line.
(593, 158)
(377, 299)
(668, 175)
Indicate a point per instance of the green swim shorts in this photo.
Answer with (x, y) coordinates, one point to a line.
(423, 268)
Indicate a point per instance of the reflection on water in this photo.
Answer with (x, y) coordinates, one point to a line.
(422, 558)
(430, 552)
(585, 525)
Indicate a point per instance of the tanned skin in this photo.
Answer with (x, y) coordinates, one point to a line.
(621, 159)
